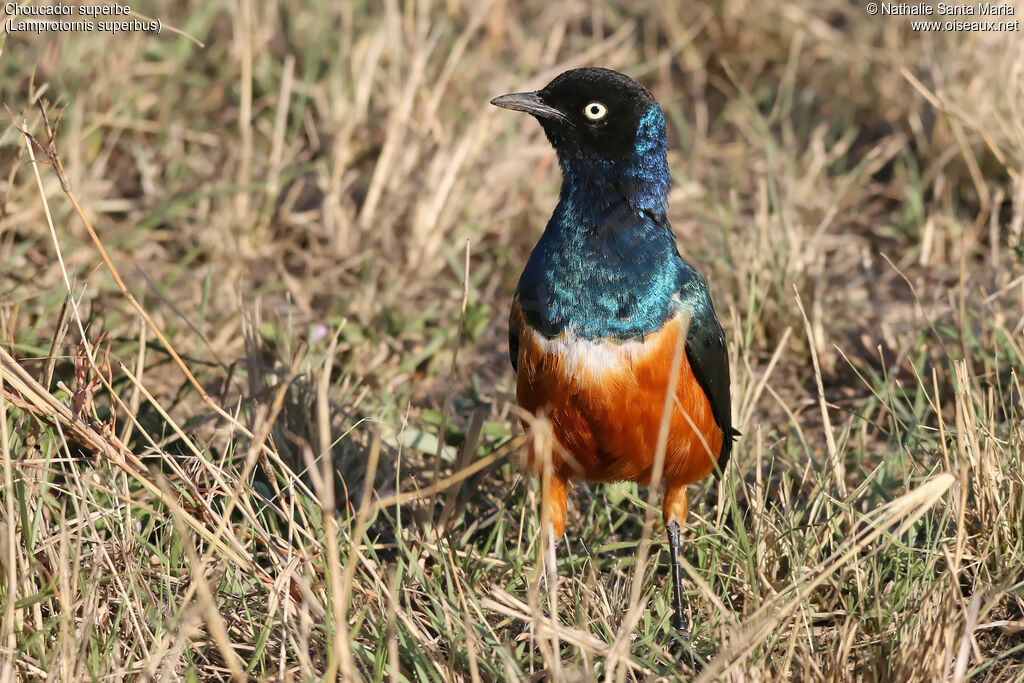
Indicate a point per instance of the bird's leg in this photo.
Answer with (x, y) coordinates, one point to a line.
(549, 569)
(679, 618)
(554, 501)
(675, 508)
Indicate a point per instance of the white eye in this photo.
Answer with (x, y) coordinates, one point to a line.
(595, 111)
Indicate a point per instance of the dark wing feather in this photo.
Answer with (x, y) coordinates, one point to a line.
(513, 339)
(705, 349)
(709, 359)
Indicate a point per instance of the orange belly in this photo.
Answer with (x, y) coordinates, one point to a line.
(605, 400)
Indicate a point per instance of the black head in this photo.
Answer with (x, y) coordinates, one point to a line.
(596, 111)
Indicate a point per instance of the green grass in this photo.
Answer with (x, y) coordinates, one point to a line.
(337, 493)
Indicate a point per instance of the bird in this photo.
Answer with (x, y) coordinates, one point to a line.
(600, 308)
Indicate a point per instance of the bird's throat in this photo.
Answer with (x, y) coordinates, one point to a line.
(593, 185)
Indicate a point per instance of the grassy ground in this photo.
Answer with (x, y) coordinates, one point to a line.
(282, 448)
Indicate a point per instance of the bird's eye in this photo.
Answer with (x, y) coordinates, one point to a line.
(595, 111)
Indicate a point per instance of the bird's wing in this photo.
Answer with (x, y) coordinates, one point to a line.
(708, 357)
(513, 336)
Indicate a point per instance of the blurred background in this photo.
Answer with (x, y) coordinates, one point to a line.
(292, 192)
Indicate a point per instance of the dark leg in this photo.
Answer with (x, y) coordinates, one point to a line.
(679, 618)
(549, 568)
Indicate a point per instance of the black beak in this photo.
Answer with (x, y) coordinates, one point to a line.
(530, 102)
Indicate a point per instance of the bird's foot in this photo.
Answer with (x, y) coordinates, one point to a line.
(681, 627)
(546, 585)
(681, 647)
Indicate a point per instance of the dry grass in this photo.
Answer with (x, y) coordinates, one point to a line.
(279, 449)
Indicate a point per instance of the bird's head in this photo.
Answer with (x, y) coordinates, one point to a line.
(605, 126)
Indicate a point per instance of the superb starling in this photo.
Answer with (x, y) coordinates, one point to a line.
(601, 304)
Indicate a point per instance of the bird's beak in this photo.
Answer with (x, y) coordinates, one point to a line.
(530, 102)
